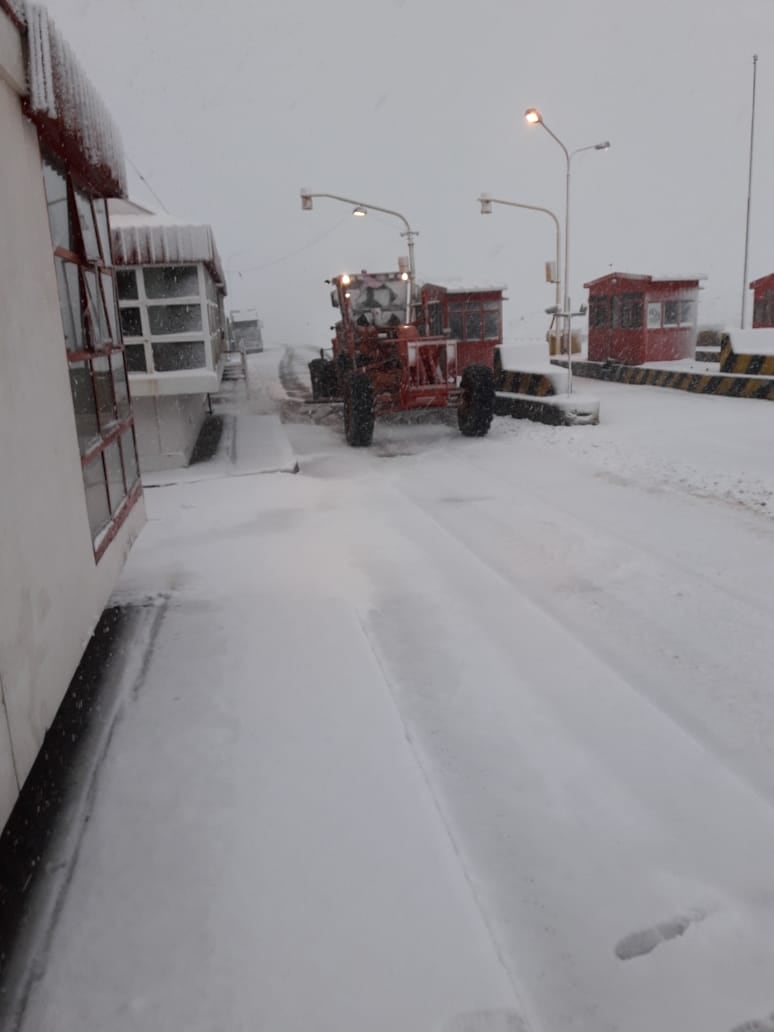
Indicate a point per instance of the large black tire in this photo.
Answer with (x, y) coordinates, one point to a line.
(358, 410)
(342, 365)
(316, 376)
(477, 402)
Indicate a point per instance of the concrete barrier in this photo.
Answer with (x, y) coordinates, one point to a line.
(739, 354)
(732, 386)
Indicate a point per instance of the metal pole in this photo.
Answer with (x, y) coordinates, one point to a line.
(749, 190)
(486, 199)
(568, 323)
(412, 274)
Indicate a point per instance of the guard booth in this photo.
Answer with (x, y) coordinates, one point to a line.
(471, 316)
(636, 319)
(763, 301)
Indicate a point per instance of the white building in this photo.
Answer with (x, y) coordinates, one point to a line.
(71, 502)
(171, 289)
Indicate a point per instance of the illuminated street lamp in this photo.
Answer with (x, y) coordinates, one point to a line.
(533, 117)
(360, 210)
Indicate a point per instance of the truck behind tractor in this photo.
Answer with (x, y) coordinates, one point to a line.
(393, 353)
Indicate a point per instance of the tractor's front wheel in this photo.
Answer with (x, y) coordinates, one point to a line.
(358, 410)
(477, 401)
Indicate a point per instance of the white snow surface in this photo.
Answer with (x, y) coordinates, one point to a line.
(751, 342)
(448, 726)
(60, 89)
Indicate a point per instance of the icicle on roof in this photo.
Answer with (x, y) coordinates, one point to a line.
(69, 112)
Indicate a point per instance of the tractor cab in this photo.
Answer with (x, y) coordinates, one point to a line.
(372, 299)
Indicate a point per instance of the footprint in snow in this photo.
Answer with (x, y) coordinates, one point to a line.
(638, 944)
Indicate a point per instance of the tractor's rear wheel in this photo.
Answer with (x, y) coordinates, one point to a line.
(477, 401)
(358, 410)
(317, 375)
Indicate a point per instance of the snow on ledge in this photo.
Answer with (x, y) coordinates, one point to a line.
(751, 342)
(142, 239)
(66, 102)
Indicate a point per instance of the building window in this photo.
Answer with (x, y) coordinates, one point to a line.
(599, 312)
(654, 315)
(162, 302)
(165, 281)
(167, 319)
(135, 358)
(627, 312)
(687, 313)
(131, 322)
(173, 356)
(94, 350)
(671, 313)
(474, 320)
(127, 284)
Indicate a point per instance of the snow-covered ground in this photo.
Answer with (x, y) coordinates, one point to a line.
(448, 726)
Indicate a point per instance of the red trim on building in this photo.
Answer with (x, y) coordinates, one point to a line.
(119, 519)
(12, 14)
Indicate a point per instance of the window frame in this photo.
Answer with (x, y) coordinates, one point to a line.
(100, 341)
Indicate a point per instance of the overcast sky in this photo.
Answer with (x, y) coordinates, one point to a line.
(229, 108)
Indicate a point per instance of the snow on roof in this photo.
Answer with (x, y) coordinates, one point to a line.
(68, 107)
(682, 277)
(751, 342)
(647, 278)
(142, 239)
(457, 286)
(761, 279)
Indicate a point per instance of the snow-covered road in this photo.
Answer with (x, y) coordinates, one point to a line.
(446, 726)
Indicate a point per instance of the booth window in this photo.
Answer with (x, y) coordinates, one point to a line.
(95, 354)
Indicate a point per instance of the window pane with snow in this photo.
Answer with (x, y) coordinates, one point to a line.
(131, 322)
(88, 226)
(68, 282)
(115, 476)
(109, 296)
(95, 310)
(58, 207)
(686, 313)
(100, 214)
(171, 281)
(129, 452)
(174, 318)
(97, 502)
(491, 319)
(103, 389)
(455, 321)
(120, 387)
(82, 391)
(671, 313)
(169, 357)
(126, 280)
(135, 358)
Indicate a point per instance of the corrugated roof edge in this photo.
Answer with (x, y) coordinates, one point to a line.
(163, 240)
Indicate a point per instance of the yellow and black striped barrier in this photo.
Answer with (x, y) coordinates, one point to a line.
(537, 385)
(743, 364)
(696, 383)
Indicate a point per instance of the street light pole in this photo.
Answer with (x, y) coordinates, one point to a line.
(749, 190)
(534, 117)
(486, 203)
(361, 208)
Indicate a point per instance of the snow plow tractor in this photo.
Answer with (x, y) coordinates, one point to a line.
(393, 353)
